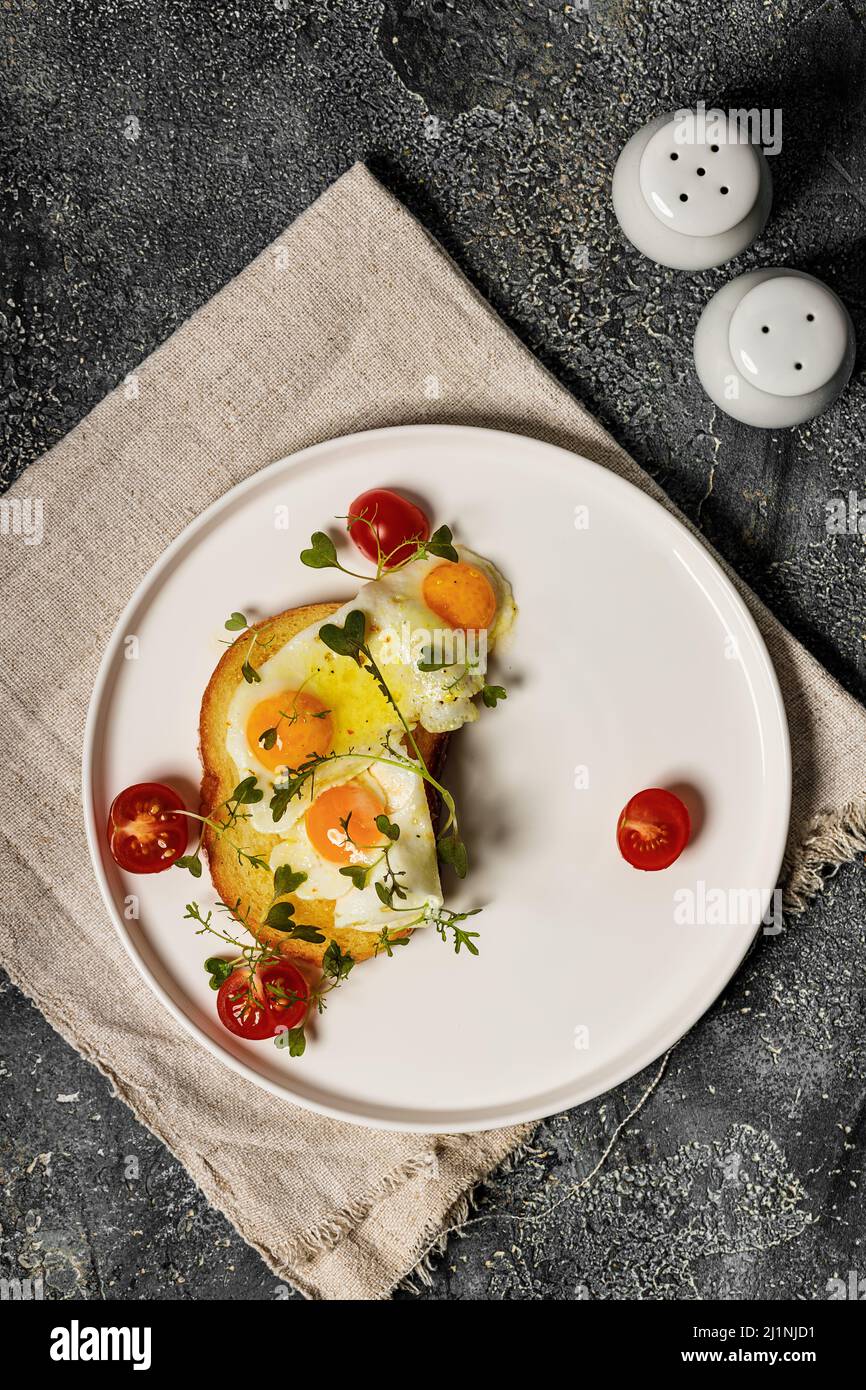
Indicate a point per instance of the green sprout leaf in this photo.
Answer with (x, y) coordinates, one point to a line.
(453, 851)
(302, 932)
(440, 545)
(428, 664)
(291, 788)
(322, 554)
(280, 917)
(279, 802)
(247, 792)
(268, 738)
(295, 1039)
(348, 639)
(336, 963)
(491, 694)
(250, 674)
(357, 873)
(236, 623)
(286, 880)
(388, 827)
(191, 862)
(219, 970)
(465, 938)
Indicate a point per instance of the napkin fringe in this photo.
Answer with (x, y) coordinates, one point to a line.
(435, 1240)
(455, 1220)
(329, 1232)
(834, 838)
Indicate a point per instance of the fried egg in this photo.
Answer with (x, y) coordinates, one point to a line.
(339, 830)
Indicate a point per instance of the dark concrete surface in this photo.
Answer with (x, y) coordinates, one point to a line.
(151, 150)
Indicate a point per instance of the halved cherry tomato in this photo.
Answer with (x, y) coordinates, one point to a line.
(276, 998)
(242, 1008)
(287, 993)
(653, 829)
(394, 519)
(145, 833)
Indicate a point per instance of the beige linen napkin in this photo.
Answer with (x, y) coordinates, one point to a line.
(353, 319)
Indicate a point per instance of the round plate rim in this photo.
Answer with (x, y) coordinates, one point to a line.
(458, 1122)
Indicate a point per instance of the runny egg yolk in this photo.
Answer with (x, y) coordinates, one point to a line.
(343, 817)
(460, 595)
(303, 727)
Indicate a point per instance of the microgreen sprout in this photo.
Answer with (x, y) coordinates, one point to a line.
(321, 553)
(246, 793)
(253, 956)
(388, 888)
(237, 622)
(492, 694)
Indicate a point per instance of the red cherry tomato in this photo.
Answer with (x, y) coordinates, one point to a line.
(395, 520)
(276, 999)
(653, 829)
(242, 1009)
(145, 833)
(287, 994)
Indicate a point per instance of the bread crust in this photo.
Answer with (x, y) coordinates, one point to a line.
(237, 882)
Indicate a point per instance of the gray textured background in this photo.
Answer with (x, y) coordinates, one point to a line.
(151, 150)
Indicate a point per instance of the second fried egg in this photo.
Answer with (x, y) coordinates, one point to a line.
(339, 831)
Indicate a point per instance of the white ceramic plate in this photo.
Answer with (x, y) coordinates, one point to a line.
(633, 663)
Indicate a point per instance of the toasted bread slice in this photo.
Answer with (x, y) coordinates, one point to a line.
(239, 882)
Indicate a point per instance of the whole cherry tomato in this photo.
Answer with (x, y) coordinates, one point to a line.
(389, 518)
